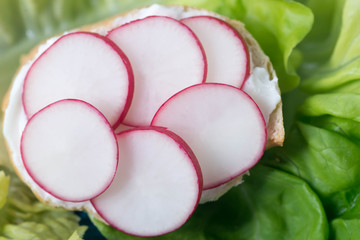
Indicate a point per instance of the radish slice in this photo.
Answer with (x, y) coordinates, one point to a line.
(223, 126)
(226, 52)
(83, 66)
(70, 150)
(158, 186)
(166, 57)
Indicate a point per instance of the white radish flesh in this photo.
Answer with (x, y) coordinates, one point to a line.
(226, 52)
(223, 126)
(156, 189)
(166, 57)
(83, 66)
(70, 150)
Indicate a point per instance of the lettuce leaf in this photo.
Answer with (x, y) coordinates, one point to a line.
(328, 161)
(346, 127)
(78, 234)
(23, 217)
(318, 45)
(344, 204)
(345, 229)
(331, 112)
(323, 145)
(270, 205)
(343, 105)
(4, 188)
(344, 61)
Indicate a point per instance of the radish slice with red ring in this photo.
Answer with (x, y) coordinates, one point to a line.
(166, 57)
(85, 66)
(226, 51)
(69, 149)
(223, 126)
(158, 186)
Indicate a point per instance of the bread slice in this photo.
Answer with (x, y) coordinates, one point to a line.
(275, 127)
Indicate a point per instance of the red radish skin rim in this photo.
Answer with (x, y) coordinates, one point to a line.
(237, 35)
(184, 147)
(112, 45)
(130, 77)
(188, 151)
(39, 183)
(189, 31)
(257, 157)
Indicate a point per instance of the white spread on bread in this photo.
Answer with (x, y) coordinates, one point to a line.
(259, 86)
(263, 90)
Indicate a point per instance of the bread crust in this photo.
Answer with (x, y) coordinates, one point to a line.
(275, 128)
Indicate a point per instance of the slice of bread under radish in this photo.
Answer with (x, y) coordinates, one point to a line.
(269, 127)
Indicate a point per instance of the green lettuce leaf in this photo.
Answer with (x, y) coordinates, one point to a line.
(23, 217)
(346, 127)
(345, 229)
(318, 45)
(270, 205)
(328, 161)
(344, 61)
(325, 153)
(344, 204)
(4, 188)
(78, 234)
(343, 105)
(323, 145)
